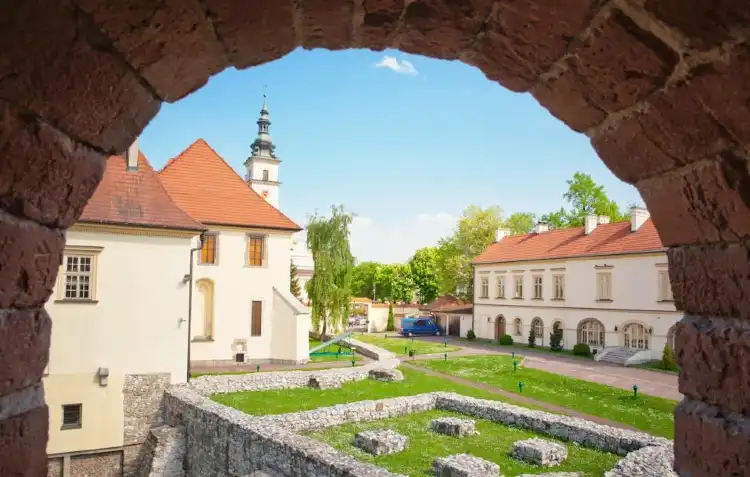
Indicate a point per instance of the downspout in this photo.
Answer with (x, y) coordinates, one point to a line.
(473, 297)
(201, 237)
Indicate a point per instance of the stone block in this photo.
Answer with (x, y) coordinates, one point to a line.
(540, 452)
(453, 426)
(388, 375)
(324, 382)
(464, 465)
(24, 341)
(381, 442)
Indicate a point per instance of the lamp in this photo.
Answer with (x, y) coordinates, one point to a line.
(186, 278)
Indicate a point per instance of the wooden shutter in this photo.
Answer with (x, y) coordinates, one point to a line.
(208, 250)
(256, 318)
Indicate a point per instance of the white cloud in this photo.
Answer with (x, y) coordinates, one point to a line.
(399, 66)
(390, 242)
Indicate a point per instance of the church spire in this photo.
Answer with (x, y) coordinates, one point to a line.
(263, 145)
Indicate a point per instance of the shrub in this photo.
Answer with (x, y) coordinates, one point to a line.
(470, 335)
(532, 338)
(555, 338)
(582, 349)
(668, 360)
(506, 340)
(391, 325)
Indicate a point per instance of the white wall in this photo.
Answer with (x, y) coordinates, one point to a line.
(132, 327)
(236, 286)
(257, 166)
(291, 327)
(635, 298)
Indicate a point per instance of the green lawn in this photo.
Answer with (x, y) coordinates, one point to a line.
(648, 413)
(656, 366)
(332, 349)
(401, 345)
(520, 346)
(304, 399)
(494, 443)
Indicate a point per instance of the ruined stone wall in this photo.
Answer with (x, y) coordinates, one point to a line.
(142, 402)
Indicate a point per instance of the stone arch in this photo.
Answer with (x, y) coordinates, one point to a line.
(592, 332)
(671, 336)
(654, 85)
(517, 327)
(635, 334)
(205, 288)
(537, 324)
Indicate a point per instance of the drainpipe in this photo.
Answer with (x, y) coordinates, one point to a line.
(190, 299)
(473, 299)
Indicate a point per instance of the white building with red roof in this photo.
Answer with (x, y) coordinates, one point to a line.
(607, 284)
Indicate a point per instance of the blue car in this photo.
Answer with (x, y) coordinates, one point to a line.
(419, 326)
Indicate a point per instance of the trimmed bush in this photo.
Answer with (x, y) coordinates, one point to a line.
(391, 324)
(470, 335)
(506, 340)
(668, 360)
(532, 338)
(582, 349)
(555, 338)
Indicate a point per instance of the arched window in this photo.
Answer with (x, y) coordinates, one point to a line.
(670, 337)
(636, 336)
(205, 327)
(517, 327)
(538, 326)
(591, 332)
(499, 327)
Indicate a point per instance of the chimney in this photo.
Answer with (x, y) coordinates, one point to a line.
(590, 223)
(131, 156)
(541, 227)
(501, 233)
(638, 215)
(603, 219)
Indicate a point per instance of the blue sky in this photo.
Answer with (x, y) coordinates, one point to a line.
(405, 145)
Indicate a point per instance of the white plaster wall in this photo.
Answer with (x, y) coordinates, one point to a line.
(256, 168)
(133, 327)
(635, 298)
(236, 286)
(291, 327)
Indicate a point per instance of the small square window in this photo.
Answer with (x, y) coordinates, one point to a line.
(72, 416)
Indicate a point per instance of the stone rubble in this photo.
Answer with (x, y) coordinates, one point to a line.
(540, 452)
(381, 442)
(647, 462)
(168, 458)
(386, 375)
(453, 426)
(464, 465)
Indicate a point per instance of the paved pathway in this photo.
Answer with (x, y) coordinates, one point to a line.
(518, 398)
(250, 368)
(649, 382)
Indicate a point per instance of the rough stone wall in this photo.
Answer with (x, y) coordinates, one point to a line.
(55, 467)
(166, 453)
(658, 85)
(96, 465)
(142, 403)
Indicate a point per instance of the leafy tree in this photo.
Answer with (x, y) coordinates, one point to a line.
(402, 285)
(474, 232)
(520, 223)
(391, 324)
(556, 220)
(586, 198)
(424, 273)
(364, 277)
(294, 282)
(384, 281)
(330, 286)
(555, 338)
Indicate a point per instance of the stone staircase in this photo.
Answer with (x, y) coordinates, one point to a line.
(617, 355)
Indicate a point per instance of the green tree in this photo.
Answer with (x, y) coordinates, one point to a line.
(364, 276)
(520, 223)
(475, 231)
(294, 282)
(424, 273)
(586, 197)
(556, 220)
(391, 324)
(330, 286)
(384, 281)
(402, 285)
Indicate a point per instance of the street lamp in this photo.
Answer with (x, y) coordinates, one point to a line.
(201, 239)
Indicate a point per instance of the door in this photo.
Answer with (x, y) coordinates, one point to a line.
(499, 327)
(636, 336)
(256, 318)
(454, 326)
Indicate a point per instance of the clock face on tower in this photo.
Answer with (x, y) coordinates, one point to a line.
(264, 194)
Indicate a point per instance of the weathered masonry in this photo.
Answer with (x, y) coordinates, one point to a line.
(658, 85)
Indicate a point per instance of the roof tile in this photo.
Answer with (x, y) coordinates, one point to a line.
(126, 197)
(606, 239)
(203, 184)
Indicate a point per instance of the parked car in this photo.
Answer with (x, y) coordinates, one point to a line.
(419, 326)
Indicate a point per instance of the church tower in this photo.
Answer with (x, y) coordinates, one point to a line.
(263, 166)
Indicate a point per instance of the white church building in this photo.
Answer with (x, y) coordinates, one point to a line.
(606, 284)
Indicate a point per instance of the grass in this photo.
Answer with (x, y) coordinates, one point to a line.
(656, 366)
(494, 443)
(333, 348)
(652, 414)
(401, 345)
(304, 399)
(521, 347)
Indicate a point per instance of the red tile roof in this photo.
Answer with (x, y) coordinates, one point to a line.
(135, 198)
(606, 239)
(443, 301)
(458, 308)
(203, 184)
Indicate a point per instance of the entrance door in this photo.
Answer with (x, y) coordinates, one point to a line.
(499, 327)
(636, 336)
(454, 326)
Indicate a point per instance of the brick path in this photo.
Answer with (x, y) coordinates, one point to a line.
(653, 383)
(518, 398)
